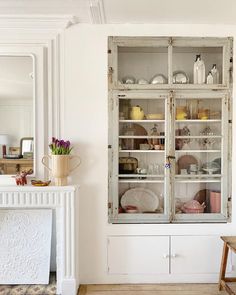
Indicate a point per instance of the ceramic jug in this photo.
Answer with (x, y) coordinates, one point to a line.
(136, 113)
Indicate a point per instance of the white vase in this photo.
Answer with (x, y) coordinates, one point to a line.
(199, 72)
(215, 74)
(60, 167)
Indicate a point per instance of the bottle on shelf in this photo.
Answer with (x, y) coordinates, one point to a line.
(215, 74)
(193, 108)
(124, 109)
(210, 79)
(128, 143)
(199, 72)
(154, 141)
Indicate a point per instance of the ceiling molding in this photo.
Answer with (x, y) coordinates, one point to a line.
(97, 12)
(37, 21)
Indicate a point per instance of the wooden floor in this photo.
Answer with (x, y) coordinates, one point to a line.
(162, 289)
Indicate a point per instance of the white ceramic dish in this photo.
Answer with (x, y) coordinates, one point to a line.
(158, 79)
(144, 199)
(180, 77)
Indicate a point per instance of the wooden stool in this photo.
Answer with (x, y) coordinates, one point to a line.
(229, 243)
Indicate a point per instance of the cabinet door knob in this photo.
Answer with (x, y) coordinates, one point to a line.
(173, 255)
(166, 255)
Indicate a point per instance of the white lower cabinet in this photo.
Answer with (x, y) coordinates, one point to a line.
(172, 255)
(195, 254)
(138, 255)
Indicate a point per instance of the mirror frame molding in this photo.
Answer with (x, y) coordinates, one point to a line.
(42, 37)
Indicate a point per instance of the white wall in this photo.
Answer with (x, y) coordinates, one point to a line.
(86, 125)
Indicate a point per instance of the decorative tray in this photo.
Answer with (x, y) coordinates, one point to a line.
(40, 182)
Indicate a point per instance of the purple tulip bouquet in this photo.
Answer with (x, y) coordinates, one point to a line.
(60, 147)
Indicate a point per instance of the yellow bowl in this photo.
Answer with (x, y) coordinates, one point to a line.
(155, 116)
(181, 116)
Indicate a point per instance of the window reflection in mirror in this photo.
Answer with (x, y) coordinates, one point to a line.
(16, 114)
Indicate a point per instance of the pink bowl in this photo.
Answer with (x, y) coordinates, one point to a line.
(192, 211)
(193, 206)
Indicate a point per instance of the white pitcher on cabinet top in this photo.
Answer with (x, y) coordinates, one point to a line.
(60, 167)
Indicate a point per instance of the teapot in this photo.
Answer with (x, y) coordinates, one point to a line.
(136, 113)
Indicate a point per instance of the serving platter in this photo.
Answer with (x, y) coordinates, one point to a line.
(144, 199)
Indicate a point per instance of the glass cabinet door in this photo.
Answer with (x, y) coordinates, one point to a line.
(139, 63)
(158, 63)
(139, 145)
(201, 154)
(201, 63)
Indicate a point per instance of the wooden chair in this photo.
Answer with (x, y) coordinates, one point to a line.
(229, 243)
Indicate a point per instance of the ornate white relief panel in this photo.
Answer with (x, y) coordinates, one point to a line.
(64, 201)
(25, 244)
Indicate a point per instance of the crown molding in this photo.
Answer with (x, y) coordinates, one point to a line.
(97, 13)
(37, 21)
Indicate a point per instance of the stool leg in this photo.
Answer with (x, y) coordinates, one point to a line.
(223, 264)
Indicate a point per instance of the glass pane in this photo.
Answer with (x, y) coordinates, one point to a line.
(143, 65)
(198, 197)
(184, 59)
(142, 124)
(142, 136)
(198, 125)
(198, 153)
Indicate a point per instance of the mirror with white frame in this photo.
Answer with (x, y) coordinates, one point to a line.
(17, 114)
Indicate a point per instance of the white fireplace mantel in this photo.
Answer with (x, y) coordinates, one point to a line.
(64, 201)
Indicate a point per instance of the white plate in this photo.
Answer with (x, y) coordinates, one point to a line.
(144, 199)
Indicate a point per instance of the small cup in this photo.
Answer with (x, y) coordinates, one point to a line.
(193, 167)
(144, 146)
(138, 170)
(157, 147)
(151, 169)
(193, 172)
(183, 171)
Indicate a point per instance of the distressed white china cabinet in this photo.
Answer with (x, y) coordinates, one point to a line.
(169, 139)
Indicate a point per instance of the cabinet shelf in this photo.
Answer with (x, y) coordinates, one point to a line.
(199, 121)
(202, 176)
(199, 136)
(141, 151)
(140, 136)
(197, 180)
(142, 121)
(197, 151)
(206, 87)
(140, 175)
(140, 181)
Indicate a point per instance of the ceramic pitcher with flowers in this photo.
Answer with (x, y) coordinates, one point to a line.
(60, 161)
